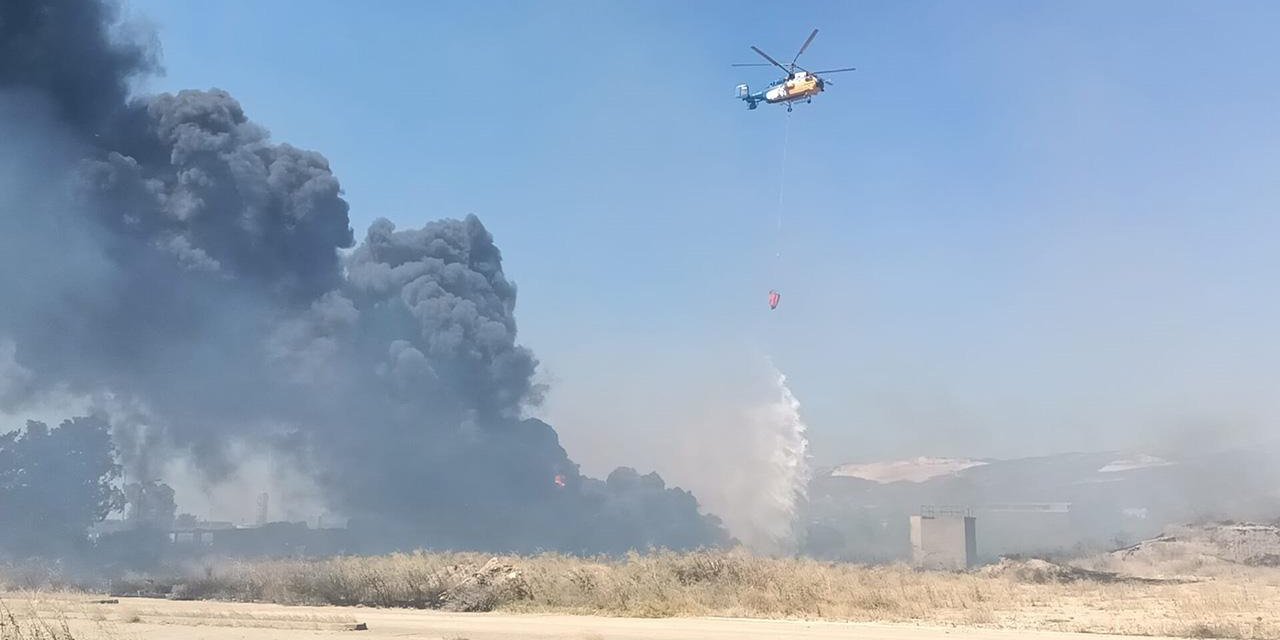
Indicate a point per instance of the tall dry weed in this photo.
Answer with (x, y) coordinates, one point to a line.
(26, 621)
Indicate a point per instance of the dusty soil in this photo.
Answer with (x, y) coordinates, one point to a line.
(152, 619)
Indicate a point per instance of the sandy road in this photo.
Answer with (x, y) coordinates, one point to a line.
(145, 619)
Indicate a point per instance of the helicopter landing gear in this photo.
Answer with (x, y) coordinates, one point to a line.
(789, 107)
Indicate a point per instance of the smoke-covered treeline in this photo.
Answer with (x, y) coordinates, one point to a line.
(164, 258)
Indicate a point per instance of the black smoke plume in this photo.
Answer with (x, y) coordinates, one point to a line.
(163, 257)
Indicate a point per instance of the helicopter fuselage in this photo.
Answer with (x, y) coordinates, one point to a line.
(800, 86)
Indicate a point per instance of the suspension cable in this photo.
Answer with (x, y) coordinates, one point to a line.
(782, 186)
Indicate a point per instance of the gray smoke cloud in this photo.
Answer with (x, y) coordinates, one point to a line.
(164, 257)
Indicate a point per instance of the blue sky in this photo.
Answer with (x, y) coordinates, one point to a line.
(1018, 228)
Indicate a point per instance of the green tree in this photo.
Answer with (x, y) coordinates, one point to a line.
(54, 484)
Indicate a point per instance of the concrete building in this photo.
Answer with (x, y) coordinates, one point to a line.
(943, 540)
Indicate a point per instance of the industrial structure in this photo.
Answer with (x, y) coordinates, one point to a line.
(944, 538)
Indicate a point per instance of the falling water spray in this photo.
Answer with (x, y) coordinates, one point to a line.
(788, 462)
(753, 467)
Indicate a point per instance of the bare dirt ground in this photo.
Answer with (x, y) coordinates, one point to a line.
(80, 617)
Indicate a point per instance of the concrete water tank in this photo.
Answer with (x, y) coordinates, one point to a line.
(944, 541)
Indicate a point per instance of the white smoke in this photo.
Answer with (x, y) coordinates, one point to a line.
(738, 441)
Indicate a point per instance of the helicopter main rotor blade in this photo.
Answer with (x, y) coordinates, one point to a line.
(751, 64)
(834, 70)
(771, 60)
(804, 46)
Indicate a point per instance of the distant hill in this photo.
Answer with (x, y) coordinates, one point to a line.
(1047, 504)
(913, 470)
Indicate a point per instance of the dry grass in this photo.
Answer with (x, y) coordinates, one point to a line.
(35, 618)
(25, 626)
(1241, 604)
(413, 580)
(45, 615)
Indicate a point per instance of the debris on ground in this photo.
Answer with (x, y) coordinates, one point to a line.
(495, 583)
(1243, 543)
(1039, 571)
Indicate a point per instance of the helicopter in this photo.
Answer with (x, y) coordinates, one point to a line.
(800, 83)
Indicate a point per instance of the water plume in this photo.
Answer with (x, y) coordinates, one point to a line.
(781, 433)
